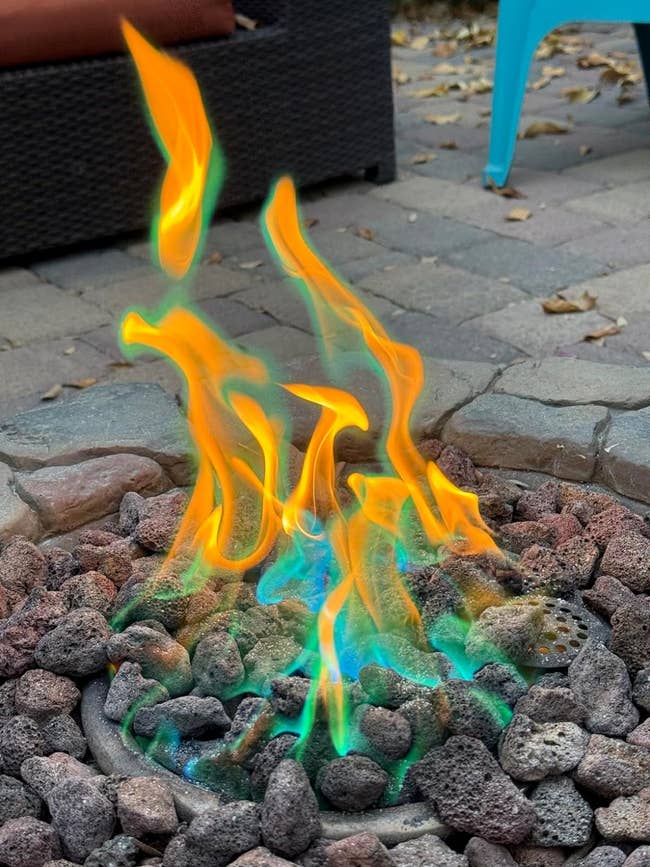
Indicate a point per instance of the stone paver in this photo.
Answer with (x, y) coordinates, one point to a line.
(93, 268)
(41, 311)
(16, 517)
(624, 456)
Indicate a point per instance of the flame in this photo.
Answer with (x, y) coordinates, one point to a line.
(183, 132)
(346, 561)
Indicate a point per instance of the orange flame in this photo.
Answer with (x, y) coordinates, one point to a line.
(184, 135)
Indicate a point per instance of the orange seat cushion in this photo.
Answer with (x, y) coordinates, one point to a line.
(34, 31)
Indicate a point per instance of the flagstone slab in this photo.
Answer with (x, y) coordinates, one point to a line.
(16, 517)
(625, 455)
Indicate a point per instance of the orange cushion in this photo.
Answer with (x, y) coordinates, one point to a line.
(33, 31)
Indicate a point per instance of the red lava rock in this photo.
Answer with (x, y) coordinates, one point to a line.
(580, 555)
(98, 536)
(612, 522)
(640, 736)
(607, 595)
(20, 634)
(146, 806)
(61, 565)
(532, 505)
(159, 519)
(22, 566)
(360, 850)
(91, 590)
(564, 527)
(28, 842)
(113, 561)
(544, 569)
(591, 503)
(627, 557)
(522, 534)
(457, 466)
(630, 637)
(41, 694)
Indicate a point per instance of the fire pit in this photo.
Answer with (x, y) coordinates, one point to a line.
(367, 652)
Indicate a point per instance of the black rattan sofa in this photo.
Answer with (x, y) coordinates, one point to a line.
(308, 92)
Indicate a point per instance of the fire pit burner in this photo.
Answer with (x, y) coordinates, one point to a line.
(565, 628)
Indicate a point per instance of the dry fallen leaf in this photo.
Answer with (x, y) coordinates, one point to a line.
(399, 37)
(445, 49)
(448, 145)
(505, 192)
(52, 393)
(70, 350)
(443, 119)
(310, 222)
(646, 355)
(419, 43)
(119, 364)
(545, 127)
(559, 304)
(246, 22)
(447, 69)
(86, 382)
(600, 333)
(214, 258)
(583, 150)
(365, 233)
(581, 95)
(428, 92)
(593, 60)
(421, 158)
(621, 322)
(519, 215)
(248, 266)
(401, 77)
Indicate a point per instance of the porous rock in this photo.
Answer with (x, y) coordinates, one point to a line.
(607, 595)
(626, 819)
(120, 851)
(22, 566)
(20, 738)
(531, 751)
(627, 557)
(145, 805)
(82, 817)
(76, 646)
(190, 716)
(427, 849)
(129, 689)
(630, 638)
(27, 842)
(217, 664)
(44, 773)
(600, 681)
(603, 856)
(90, 590)
(465, 709)
(268, 758)
(219, 834)
(42, 694)
(480, 853)
(387, 731)
(159, 655)
(61, 734)
(505, 629)
(260, 857)
(290, 818)
(22, 631)
(359, 851)
(352, 783)
(17, 800)
(641, 689)
(564, 818)
(545, 704)
(612, 767)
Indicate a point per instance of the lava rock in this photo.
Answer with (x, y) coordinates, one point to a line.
(83, 818)
(532, 505)
(501, 681)
(464, 709)
(531, 751)
(352, 783)
(20, 738)
(28, 842)
(267, 659)
(545, 571)
(76, 646)
(217, 665)
(630, 638)
(579, 555)
(113, 560)
(21, 632)
(159, 656)
(61, 734)
(603, 856)
(465, 784)
(260, 857)
(22, 566)
(61, 566)
(43, 694)
(522, 534)
(564, 818)
(480, 853)
(189, 716)
(43, 773)
(427, 849)
(17, 800)
(157, 521)
(626, 819)
(129, 689)
(91, 590)
(427, 730)
(290, 818)
(8, 700)
(612, 522)
(641, 689)
(145, 805)
(163, 599)
(539, 856)
(607, 595)
(387, 732)
(627, 557)
(267, 760)
(121, 851)
(639, 858)
(563, 527)
(175, 854)
(219, 834)
(387, 687)
(359, 851)
(601, 683)
(506, 629)
(252, 719)
(612, 768)
(640, 736)
(551, 704)
(289, 694)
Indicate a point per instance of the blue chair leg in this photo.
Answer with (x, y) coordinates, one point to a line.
(643, 38)
(521, 27)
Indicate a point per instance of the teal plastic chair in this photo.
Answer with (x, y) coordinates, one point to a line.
(522, 26)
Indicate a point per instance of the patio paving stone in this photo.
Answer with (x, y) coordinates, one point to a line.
(88, 269)
(16, 517)
(625, 457)
(40, 311)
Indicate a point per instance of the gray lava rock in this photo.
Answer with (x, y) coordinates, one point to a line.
(603, 856)
(600, 681)
(175, 854)
(76, 646)
(359, 851)
(61, 734)
(20, 738)
(564, 818)
(253, 718)
(387, 731)
(551, 704)
(352, 783)
(289, 694)
(145, 805)
(539, 856)
(630, 637)
(290, 818)
(129, 688)
(8, 700)
(17, 800)
(221, 833)
(42, 694)
(387, 687)
(162, 599)
(465, 709)
(505, 629)
(639, 858)
(190, 716)
(217, 664)
(612, 768)
(160, 657)
(641, 689)
(260, 857)
(465, 784)
(267, 760)
(480, 853)
(640, 736)
(424, 850)
(531, 751)
(627, 557)
(501, 681)
(21, 632)
(27, 842)
(269, 657)
(607, 595)
(43, 773)
(121, 851)
(626, 820)
(83, 818)
(426, 727)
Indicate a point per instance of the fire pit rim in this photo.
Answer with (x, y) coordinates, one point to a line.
(115, 755)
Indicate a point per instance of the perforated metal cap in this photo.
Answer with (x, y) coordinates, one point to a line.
(565, 628)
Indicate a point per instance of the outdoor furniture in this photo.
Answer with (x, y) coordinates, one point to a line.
(309, 93)
(522, 25)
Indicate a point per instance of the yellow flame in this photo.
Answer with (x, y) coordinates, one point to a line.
(178, 115)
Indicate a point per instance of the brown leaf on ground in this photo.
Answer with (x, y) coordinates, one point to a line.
(310, 222)
(545, 127)
(421, 158)
(601, 333)
(446, 48)
(559, 304)
(214, 258)
(70, 350)
(401, 77)
(443, 119)
(519, 215)
(52, 393)
(626, 95)
(583, 150)
(505, 192)
(399, 37)
(119, 364)
(593, 60)
(419, 43)
(428, 92)
(448, 145)
(246, 22)
(448, 69)
(248, 266)
(580, 95)
(646, 355)
(365, 233)
(86, 382)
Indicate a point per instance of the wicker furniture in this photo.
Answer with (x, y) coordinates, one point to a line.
(309, 92)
